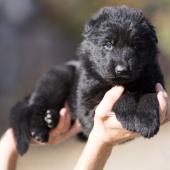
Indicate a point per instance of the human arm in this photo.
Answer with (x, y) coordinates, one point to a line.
(107, 131)
(8, 152)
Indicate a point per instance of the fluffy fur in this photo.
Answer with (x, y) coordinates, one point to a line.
(119, 48)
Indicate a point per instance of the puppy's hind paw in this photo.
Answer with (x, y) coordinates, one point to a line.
(41, 135)
(50, 118)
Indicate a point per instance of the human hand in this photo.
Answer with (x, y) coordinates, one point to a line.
(108, 129)
(8, 151)
(63, 130)
(164, 104)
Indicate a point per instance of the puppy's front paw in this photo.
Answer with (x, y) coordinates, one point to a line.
(125, 109)
(51, 118)
(147, 120)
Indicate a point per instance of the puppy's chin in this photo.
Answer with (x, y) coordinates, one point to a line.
(121, 80)
(126, 79)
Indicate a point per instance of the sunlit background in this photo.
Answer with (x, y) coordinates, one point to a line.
(37, 34)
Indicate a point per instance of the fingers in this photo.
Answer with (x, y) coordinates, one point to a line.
(109, 100)
(64, 129)
(131, 135)
(64, 119)
(57, 138)
(64, 123)
(112, 122)
(163, 103)
(75, 129)
(35, 142)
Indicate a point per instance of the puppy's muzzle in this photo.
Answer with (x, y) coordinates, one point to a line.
(121, 70)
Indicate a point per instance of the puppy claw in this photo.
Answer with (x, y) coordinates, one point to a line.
(48, 111)
(48, 119)
(32, 133)
(48, 115)
(50, 125)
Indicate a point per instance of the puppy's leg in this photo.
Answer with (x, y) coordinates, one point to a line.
(47, 98)
(125, 109)
(147, 120)
(19, 119)
(86, 120)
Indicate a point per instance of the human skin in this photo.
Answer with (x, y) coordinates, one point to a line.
(106, 133)
(64, 130)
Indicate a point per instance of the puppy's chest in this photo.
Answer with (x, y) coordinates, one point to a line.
(93, 97)
(90, 92)
(90, 95)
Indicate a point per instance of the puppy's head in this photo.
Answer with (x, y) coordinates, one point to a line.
(118, 44)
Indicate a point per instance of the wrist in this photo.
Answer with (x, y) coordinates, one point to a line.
(100, 139)
(8, 152)
(95, 154)
(8, 142)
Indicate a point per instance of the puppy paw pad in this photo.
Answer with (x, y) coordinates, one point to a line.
(49, 118)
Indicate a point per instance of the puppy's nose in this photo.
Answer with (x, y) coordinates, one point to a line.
(121, 69)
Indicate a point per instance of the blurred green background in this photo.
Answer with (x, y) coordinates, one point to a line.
(37, 34)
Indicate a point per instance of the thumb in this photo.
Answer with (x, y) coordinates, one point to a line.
(109, 100)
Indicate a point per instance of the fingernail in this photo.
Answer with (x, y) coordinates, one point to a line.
(159, 87)
(63, 112)
(118, 88)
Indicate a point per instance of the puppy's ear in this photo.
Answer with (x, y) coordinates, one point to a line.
(151, 31)
(96, 20)
(89, 26)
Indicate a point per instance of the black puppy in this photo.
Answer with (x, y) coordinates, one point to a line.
(119, 48)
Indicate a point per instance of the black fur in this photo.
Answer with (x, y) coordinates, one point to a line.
(119, 48)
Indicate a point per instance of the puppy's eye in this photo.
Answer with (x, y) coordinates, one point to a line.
(108, 46)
